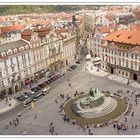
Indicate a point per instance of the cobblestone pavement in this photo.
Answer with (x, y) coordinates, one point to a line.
(47, 110)
(93, 70)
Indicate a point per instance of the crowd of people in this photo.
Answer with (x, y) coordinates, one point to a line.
(13, 122)
(120, 123)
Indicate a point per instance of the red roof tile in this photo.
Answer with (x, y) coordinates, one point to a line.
(26, 32)
(135, 27)
(105, 29)
(11, 28)
(124, 36)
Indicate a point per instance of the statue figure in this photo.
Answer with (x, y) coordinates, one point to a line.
(91, 92)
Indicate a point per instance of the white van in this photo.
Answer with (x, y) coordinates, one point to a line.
(46, 90)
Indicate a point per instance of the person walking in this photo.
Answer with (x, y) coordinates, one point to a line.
(35, 116)
(56, 101)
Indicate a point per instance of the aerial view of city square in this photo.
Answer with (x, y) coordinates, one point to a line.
(70, 70)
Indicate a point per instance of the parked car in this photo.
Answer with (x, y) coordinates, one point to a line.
(42, 85)
(36, 89)
(73, 67)
(69, 69)
(27, 102)
(22, 98)
(37, 95)
(46, 90)
(28, 93)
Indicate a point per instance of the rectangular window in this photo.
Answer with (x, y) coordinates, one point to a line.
(132, 56)
(6, 71)
(8, 80)
(127, 64)
(119, 62)
(131, 65)
(2, 83)
(0, 74)
(17, 59)
(135, 65)
(119, 53)
(18, 67)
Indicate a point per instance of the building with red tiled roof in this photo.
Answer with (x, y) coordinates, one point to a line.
(11, 28)
(121, 53)
(43, 31)
(26, 34)
(105, 29)
(100, 33)
(124, 36)
(135, 27)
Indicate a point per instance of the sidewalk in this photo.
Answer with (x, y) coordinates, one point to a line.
(124, 80)
(92, 69)
(4, 106)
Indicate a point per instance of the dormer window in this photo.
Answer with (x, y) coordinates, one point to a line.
(3, 54)
(26, 47)
(9, 52)
(21, 48)
(129, 37)
(15, 50)
(118, 35)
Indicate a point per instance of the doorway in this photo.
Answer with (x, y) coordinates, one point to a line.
(135, 76)
(112, 70)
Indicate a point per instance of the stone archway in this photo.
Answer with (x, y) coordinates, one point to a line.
(135, 77)
(16, 88)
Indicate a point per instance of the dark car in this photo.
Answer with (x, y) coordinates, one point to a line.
(37, 95)
(78, 62)
(28, 93)
(42, 85)
(22, 98)
(73, 67)
(69, 69)
(36, 89)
